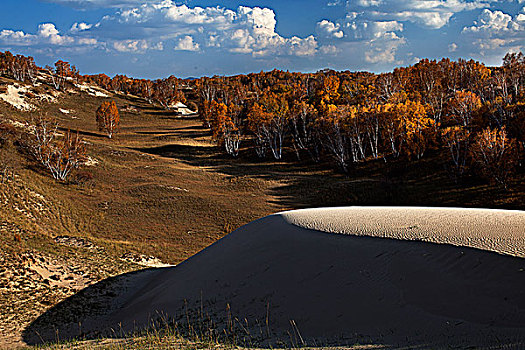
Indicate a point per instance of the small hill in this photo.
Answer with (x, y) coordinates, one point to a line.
(337, 277)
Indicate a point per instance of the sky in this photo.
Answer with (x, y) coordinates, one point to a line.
(193, 38)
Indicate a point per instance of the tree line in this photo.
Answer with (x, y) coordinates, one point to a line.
(161, 91)
(473, 113)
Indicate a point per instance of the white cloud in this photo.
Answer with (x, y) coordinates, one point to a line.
(355, 26)
(47, 34)
(374, 41)
(452, 47)
(496, 32)
(384, 49)
(186, 44)
(130, 45)
(79, 27)
(368, 3)
(329, 29)
(494, 23)
(329, 49)
(48, 31)
(246, 30)
(11, 36)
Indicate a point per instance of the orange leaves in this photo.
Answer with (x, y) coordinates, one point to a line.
(108, 118)
(220, 120)
(328, 94)
(407, 126)
(463, 105)
(225, 124)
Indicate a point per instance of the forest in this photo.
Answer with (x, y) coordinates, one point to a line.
(472, 113)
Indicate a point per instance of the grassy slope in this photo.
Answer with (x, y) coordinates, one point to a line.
(162, 188)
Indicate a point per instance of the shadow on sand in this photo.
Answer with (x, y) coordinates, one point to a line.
(338, 290)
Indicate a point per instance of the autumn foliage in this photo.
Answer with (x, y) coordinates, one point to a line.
(433, 107)
(469, 114)
(108, 118)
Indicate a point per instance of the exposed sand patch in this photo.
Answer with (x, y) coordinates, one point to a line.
(92, 90)
(280, 280)
(143, 260)
(14, 96)
(501, 231)
(90, 161)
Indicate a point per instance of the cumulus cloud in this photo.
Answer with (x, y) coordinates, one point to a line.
(496, 31)
(246, 30)
(186, 44)
(150, 25)
(377, 40)
(130, 46)
(384, 49)
(79, 27)
(330, 29)
(495, 23)
(46, 34)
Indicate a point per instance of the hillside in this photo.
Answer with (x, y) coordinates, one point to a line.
(160, 191)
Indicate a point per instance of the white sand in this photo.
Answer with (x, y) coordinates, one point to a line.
(92, 90)
(14, 98)
(370, 285)
(501, 231)
(90, 161)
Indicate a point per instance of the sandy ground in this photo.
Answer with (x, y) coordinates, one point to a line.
(501, 231)
(378, 283)
(14, 98)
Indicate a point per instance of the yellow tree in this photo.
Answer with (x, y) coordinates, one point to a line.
(327, 94)
(268, 120)
(226, 127)
(258, 118)
(108, 118)
(419, 128)
(407, 128)
(462, 107)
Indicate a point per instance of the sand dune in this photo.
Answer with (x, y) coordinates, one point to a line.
(501, 231)
(398, 277)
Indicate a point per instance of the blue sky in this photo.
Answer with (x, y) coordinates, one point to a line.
(157, 38)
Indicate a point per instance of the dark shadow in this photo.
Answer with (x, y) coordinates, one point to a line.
(73, 317)
(83, 132)
(306, 184)
(473, 297)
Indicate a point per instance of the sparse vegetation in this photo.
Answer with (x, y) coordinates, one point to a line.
(59, 156)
